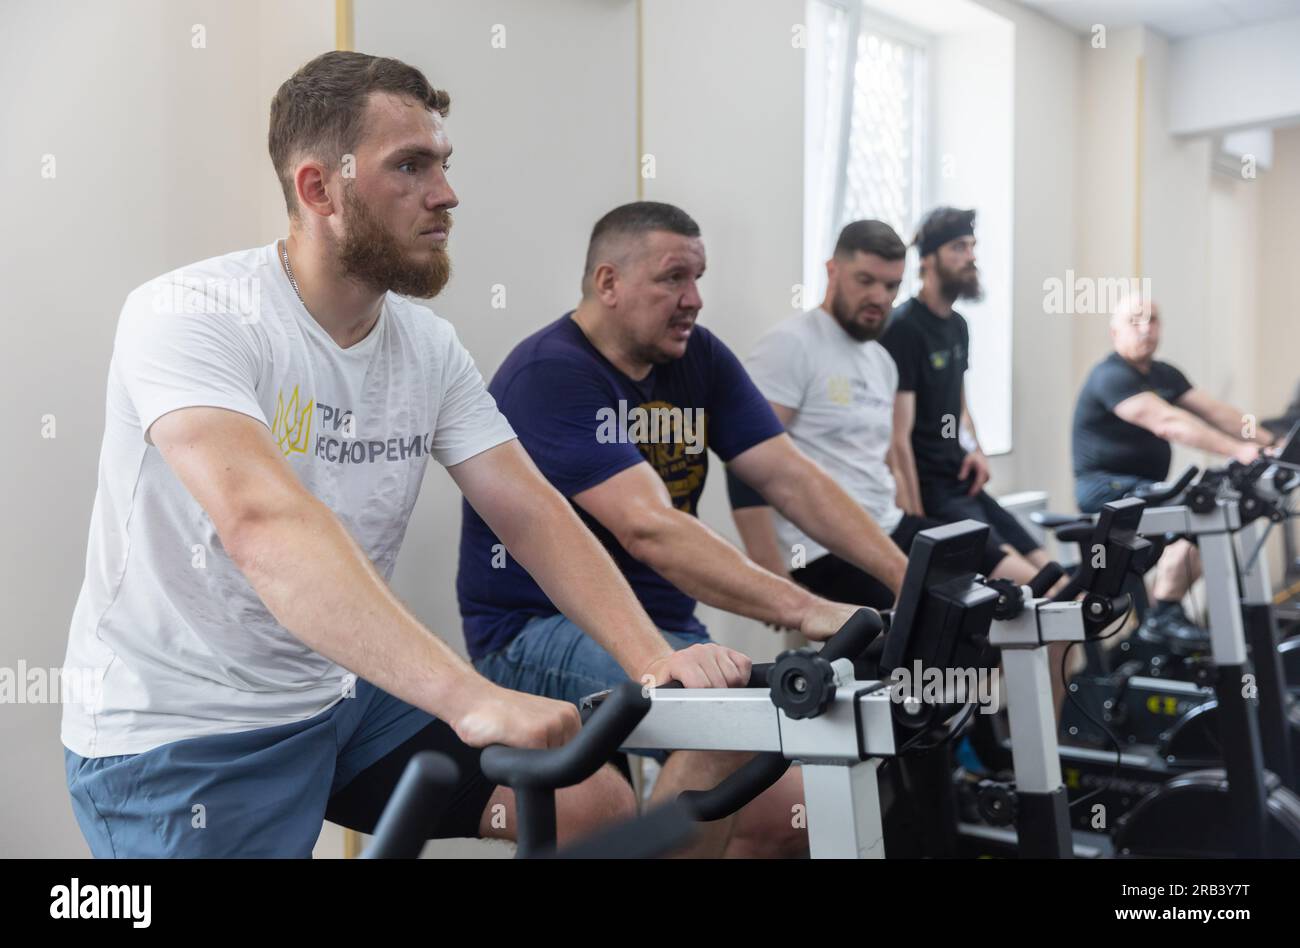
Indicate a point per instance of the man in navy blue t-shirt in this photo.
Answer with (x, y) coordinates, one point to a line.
(617, 403)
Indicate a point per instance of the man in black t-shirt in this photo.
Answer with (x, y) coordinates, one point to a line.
(1131, 408)
(937, 476)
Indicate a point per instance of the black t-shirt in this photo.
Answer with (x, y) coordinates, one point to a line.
(1105, 443)
(932, 354)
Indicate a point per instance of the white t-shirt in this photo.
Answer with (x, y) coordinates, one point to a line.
(843, 391)
(177, 639)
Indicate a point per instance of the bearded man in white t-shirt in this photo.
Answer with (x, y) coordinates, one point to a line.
(270, 416)
(833, 387)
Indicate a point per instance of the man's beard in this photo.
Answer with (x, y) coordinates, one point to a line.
(840, 310)
(960, 284)
(371, 254)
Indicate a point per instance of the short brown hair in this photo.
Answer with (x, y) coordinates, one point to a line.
(320, 109)
(633, 220)
(870, 237)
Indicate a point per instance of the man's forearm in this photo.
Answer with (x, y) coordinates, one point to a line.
(706, 567)
(908, 481)
(1232, 422)
(758, 534)
(814, 502)
(968, 423)
(343, 609)
(582, 580)
(1183, 427)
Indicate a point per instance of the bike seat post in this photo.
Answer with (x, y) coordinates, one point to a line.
(535, 819)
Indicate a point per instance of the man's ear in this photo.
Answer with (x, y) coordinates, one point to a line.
(602, 284)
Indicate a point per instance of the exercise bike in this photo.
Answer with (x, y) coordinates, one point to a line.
(429, 779)
(1239, 808)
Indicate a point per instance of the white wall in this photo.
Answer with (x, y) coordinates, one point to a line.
(1235, 79)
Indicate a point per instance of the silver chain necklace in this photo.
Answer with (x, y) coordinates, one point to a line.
(284, 255)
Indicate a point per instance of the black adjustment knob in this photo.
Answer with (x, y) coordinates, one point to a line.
(1201, 498)
(996, 803)
(802, 683)
(1011, 598)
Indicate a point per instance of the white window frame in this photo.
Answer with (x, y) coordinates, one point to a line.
(858, 19)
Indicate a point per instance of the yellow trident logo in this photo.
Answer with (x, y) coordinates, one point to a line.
(292, 427)
(841, 392)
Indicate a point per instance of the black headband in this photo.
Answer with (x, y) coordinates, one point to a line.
(961, 227)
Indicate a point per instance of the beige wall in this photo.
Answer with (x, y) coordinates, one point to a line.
(1107, 182)
(160, 160)
(724, 124)
(1046, 141)
(1277, 327)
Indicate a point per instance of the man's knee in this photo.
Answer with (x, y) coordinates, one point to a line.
(775, 825)
(603, 799)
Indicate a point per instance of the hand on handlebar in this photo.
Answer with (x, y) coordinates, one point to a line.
(1246, 452)
(502, 716)
(824, 618)
(700, 666)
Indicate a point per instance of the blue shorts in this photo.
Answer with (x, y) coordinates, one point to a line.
(1091, 491)
(266, 792)
(554, 658)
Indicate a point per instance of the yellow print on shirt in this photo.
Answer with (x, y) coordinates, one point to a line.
(292, 425)
(668, 448)
(840, 391)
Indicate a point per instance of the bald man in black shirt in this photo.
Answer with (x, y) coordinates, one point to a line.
(1131, 409)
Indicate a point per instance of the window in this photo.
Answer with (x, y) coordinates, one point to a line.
(910, 106)
(864, 136)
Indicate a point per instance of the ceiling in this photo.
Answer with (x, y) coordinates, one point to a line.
(1174, 18)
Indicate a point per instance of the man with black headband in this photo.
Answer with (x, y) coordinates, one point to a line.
(937, 476)
(833, 387)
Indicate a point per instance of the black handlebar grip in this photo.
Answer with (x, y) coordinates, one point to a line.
(1157, 494)
(740, 788)
(854, 636)
(425, 788)
(581, 757)
(1045, 579)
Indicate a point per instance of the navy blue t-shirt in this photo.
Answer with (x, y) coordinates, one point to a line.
(582, 421)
